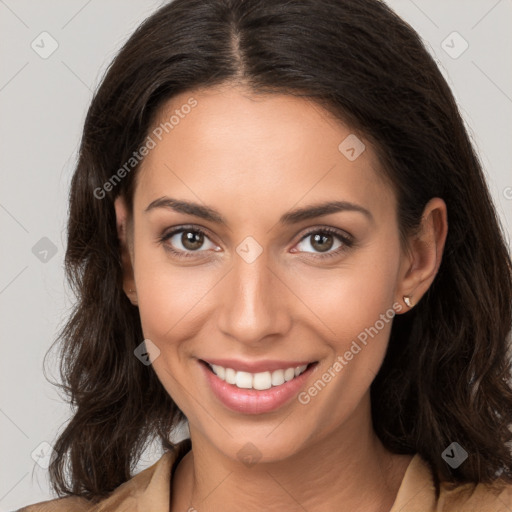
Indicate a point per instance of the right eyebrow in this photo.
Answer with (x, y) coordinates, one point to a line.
(204, 212)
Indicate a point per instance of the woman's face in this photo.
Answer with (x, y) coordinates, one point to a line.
(265, 277)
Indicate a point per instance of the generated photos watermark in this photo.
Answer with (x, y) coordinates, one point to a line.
(341, 361)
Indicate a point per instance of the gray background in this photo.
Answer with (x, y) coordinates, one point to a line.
(43, 102)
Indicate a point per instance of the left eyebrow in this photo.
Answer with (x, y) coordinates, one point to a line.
(291, 217)
(317, 210)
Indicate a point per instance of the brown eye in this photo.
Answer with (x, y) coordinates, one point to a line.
(187, 242)
(321, 242)
(192, 240)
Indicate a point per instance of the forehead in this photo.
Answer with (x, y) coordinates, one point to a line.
(255, 150)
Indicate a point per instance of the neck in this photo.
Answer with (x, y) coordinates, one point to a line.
(327, 475)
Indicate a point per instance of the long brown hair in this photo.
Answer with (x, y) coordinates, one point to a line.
(446, 375)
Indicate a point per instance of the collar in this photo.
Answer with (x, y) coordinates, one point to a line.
(149, 490)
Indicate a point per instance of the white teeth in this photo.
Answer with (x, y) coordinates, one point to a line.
(289, 373)
(277, 378)
(259, 381)
(300, 369)
(230, 376)
(262, 380)
(220, 371)
(243, 380)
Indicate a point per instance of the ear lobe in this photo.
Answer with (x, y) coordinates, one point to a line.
(121, 210)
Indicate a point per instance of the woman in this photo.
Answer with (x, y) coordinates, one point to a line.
(280, 232)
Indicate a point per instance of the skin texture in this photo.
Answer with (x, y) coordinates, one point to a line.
(254, 158)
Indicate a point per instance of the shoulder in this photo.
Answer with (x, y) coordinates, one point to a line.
(417, 493)
(60, 505)
(150, 485)
(493, 497)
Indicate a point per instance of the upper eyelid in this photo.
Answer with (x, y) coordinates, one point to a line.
(334, 231)
(343, 235)
(178, 229)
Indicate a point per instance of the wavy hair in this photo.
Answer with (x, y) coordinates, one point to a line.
(447, 373)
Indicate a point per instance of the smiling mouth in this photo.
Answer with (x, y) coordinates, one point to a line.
(258, 381)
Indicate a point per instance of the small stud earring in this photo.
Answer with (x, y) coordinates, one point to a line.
(408, 301)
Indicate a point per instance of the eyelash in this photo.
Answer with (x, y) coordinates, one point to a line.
(347, 241)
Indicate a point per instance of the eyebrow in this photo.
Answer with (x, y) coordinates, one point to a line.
(289, 218)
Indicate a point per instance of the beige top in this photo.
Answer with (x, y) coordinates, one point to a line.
(149, 491)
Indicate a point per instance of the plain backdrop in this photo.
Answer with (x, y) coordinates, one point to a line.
(43, 102)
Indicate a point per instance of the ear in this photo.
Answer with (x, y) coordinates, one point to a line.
(420, 267)
(126, 249)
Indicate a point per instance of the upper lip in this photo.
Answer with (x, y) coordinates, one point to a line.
(255, 366)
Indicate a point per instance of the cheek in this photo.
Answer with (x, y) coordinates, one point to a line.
(169, 298)
(352, 298)
(355, 303)
(168, 294)
(169, 302)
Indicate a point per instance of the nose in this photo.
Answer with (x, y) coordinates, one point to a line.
(254, 302)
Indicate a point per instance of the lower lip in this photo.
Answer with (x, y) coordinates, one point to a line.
(252, 401)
